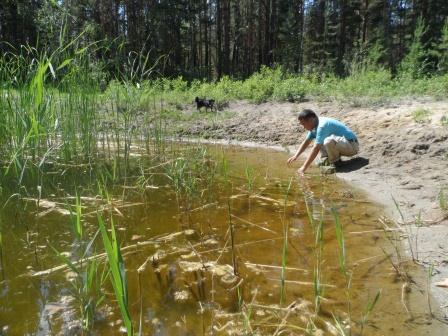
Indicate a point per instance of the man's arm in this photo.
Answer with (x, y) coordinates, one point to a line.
(310, 158)
(301, 149)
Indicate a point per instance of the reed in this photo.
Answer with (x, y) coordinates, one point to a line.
(409, 231)
(318, 253)
(250, 177)
(76, 217)
(369, 308)
(2, 267)
(232, 240)
(428, 288)
(285, 226)
(341, 242)
(117, 271)
(87, 283)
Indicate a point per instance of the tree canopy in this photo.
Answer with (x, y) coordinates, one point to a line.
(212, 38)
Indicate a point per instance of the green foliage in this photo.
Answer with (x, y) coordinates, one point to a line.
(442, 50)
(117, 271)
(444, 120)
(76, 217)
(369, 308)
(415, 62)
(341, 241)
(421, 115)
(443, 199)
(87, 284)
(367, 59)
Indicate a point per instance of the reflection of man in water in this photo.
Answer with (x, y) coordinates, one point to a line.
(332, 138)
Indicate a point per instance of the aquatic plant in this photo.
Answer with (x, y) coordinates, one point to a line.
(250, 177)
(76, 217)
(117, 271)
(87, 283)
(286, 192)
(369, 308)
(342, 256)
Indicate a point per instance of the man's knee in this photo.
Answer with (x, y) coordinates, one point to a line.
(329, 141)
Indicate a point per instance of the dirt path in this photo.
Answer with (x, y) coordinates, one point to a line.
(408, 160)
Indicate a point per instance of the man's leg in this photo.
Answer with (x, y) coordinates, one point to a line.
(323, 161)
(336, 146)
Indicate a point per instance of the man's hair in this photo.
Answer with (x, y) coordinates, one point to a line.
(306, 114)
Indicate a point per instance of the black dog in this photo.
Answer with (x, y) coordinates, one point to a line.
(207, 103)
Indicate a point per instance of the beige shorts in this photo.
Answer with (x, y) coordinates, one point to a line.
(336, 146)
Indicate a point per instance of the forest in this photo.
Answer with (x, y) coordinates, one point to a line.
(208, 39)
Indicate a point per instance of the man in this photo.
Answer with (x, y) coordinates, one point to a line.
(332, 138)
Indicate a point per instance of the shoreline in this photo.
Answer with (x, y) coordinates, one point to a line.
(407, 161)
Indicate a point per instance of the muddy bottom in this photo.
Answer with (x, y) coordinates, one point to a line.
(256, 252)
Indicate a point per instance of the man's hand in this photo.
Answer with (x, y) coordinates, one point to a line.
(292, 159)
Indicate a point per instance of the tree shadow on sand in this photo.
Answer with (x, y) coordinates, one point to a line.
(352, 165)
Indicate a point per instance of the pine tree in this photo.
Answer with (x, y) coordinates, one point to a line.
(414, 63)
(442, 51)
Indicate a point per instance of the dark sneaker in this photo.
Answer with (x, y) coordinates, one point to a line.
(329, 169)
(323, 162)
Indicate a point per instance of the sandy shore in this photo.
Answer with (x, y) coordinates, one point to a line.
(400, 158)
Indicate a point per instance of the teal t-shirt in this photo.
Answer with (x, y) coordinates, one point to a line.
(327, 127)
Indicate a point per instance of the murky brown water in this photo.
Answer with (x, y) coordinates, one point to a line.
(189, 287)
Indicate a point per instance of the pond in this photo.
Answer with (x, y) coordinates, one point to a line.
(228, 243)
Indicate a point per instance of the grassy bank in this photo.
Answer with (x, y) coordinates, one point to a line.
(275, 85)
(58, 106)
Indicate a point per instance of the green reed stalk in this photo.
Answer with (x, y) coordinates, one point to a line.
(87, 287)
(232, 239)
(341, 242)
(317, 276)
(318, 246)
(1, 250)
(408, 228)
(285, 242)
(284, 256)
(117, 271)
(339, 326)
(76, 217)
(428, 288)
(370, 306)
(250, 178)
(342, 256)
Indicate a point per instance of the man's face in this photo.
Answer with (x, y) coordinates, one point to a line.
(308, 124)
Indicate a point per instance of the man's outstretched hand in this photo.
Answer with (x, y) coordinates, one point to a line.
(291, 159)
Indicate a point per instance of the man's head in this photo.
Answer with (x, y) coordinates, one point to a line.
(308, 119)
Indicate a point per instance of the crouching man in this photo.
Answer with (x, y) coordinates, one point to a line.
(332, 139)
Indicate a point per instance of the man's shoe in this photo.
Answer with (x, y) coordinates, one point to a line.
(329, 169)
(323, 162)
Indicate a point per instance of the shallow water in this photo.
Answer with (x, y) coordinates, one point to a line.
(188, 286)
